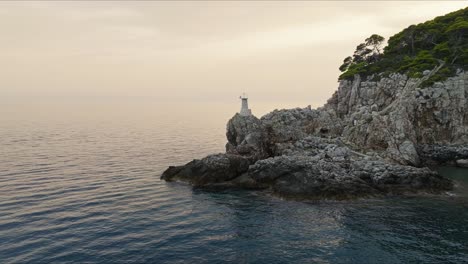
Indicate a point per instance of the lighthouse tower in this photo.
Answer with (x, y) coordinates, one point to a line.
(245, 111)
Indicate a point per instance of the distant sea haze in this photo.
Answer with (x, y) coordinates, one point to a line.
(80, 183)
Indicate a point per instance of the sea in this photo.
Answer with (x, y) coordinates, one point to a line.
(80, 183)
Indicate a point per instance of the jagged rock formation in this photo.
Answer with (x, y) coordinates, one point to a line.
(319, 168)
(246, 136)
(395, 115)
(372, 137)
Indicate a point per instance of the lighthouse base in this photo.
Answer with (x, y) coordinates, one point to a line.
(245, 112)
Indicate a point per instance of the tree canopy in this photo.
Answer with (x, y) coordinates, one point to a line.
(415, 49)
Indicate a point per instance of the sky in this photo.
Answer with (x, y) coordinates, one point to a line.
(191, 51)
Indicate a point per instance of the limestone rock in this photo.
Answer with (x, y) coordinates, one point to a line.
(372, 137)
(395, 115)
(248, 137)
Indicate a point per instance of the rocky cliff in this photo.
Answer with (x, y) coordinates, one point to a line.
(379, 132)
(398, 118)
(372, 137)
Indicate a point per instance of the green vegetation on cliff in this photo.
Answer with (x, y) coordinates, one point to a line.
(415, 49)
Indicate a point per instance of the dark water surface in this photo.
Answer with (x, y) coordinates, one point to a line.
(81, 184)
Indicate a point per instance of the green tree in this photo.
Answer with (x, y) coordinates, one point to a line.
(458, 32)
(415, 49)
(375, 42)
(366, 53)
(346, 63)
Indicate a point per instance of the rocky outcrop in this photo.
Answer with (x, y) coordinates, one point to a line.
(318, 168)
(248, 137)
(372, 137)
(312, 177)
(451, 155)
(294, 124)
(211, 169)
(310, 168)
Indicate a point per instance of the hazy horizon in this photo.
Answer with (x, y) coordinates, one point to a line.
(190, 51)
(121, 141)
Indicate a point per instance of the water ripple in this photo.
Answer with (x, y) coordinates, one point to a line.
(74, 191)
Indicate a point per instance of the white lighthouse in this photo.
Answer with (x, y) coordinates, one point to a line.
(245, 111)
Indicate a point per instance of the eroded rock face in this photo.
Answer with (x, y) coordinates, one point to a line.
(372, 137)
(395, 115)
(248, 137)
(294, 124)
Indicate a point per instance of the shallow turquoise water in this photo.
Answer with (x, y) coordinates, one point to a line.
(82, 185)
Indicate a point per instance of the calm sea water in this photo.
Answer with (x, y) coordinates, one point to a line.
(80, 183)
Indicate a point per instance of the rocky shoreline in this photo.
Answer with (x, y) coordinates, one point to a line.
(371, 138)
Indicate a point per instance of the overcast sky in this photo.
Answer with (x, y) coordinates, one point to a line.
(191, 50)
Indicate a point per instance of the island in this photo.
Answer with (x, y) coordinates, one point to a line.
(399, 112)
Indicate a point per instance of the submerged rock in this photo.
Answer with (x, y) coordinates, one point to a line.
(462, 163)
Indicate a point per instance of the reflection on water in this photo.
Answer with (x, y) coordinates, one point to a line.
(82, 187)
